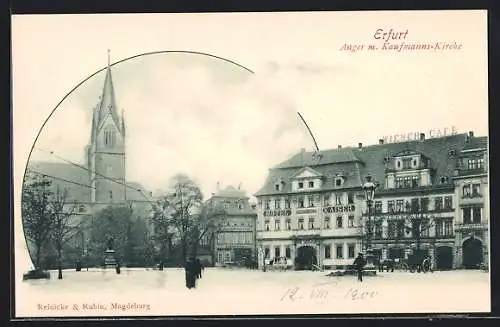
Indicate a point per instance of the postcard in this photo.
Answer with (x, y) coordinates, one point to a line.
(251, 163)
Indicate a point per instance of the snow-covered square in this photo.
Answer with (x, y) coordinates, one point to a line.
(138, 292)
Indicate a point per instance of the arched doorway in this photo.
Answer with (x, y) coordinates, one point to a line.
(306, 258)
(444, 258)
(472, 253)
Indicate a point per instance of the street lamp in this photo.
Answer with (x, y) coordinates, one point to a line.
(369, 188)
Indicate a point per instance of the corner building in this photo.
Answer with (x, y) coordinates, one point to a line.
(312, 207)
(234, 236)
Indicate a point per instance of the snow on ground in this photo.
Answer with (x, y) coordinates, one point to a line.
(227, 292)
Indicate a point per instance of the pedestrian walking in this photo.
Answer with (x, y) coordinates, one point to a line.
(198, 268)
(359, 263)
(190, 271)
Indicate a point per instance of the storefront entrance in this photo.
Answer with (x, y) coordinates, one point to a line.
(444, 258)
(306, 258)
(472, 253)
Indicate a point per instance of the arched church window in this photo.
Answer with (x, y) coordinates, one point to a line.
(109, 137)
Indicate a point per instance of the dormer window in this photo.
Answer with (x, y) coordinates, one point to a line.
(301, 185)
(338, 181)
(311, 184)
(276, 187)
(398, 164)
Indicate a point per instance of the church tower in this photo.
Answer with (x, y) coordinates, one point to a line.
(106, 151)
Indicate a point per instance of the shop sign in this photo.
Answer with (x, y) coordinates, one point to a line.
(341, 208)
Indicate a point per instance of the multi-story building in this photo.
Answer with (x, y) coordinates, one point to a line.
(312, 208)
(234, 235)
(472, 210)
(309, 210)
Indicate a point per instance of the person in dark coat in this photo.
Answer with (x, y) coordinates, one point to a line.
(199, 268)
(359, 263)
(190, 270)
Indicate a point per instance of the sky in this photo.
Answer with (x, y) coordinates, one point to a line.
(219, 123)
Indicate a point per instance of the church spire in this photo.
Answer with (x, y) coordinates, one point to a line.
(107, 105)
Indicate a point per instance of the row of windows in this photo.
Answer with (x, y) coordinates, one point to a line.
(312, 223)
(227, 203)
(327, 251)
(399, 228)
(311, 184)
(234, 224)
(235, 238)
(407, 181)
(415, 204)
(338, 181)
(309, 201)
(475, 164)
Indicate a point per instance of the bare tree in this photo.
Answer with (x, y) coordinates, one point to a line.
(64, 224)
(186, 201)
(417, 223)
(36, 214)
(163, 225)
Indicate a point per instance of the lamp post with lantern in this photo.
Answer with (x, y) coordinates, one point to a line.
(369, 188)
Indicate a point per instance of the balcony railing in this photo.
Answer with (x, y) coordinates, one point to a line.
(467, 172)
(404, 212)
(471, 226)
(472, 196)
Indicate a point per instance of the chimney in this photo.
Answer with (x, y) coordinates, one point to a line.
(360, 145)
(381, 141)
(218, 186)
(422, 136)
(340, 146)
(471, 134)
(151, 194)
(303, 150)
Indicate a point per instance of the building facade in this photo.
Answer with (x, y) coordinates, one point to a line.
(309, 211)
(312, 208)
(472, 211)
(234, 238)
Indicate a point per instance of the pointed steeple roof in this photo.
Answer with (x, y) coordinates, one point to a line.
(107, 105)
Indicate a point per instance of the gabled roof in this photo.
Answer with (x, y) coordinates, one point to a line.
(233, 197)
(436, 149)
(231, 192)
(356, 163)
(349, 170)
(306, 172)
(303, 159)
(77, 181)
(71, 177)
